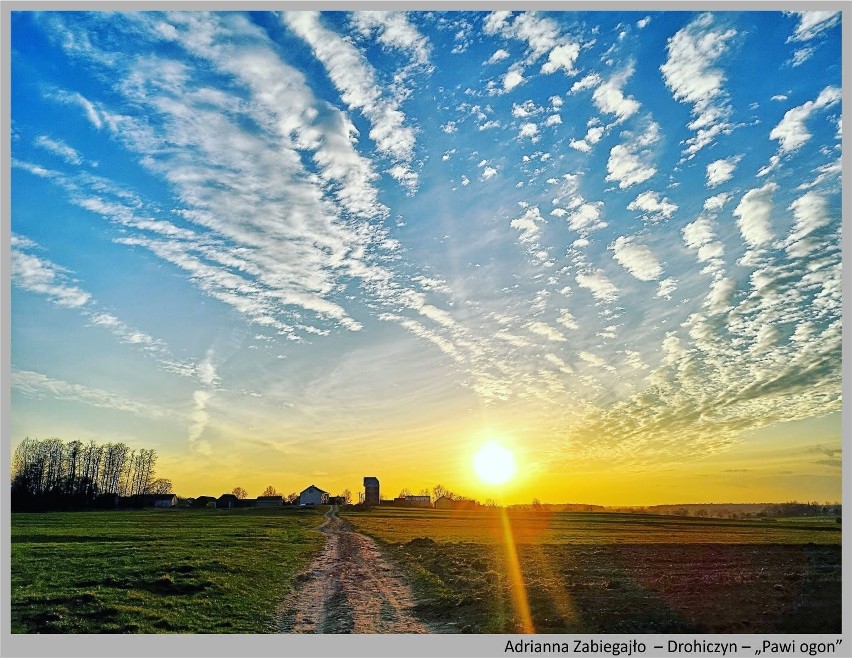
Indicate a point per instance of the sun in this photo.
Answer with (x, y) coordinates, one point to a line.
(494, 464)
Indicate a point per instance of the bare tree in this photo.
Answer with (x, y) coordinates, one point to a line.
(293, 497)
(346, 495)
(159, 486)
(439, 491)
(240, 493)
(405, 492)
(270, 491)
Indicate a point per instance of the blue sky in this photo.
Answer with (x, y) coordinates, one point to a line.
(610, 240)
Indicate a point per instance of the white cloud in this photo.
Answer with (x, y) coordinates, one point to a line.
(666, 288)
(637, 259)
(498, 56)
(528, 130)
(791, 133)
(630, 163)
(354, 78)
(586, 216)
(35, 385)
(43, 277)
(59, 148)
(587, 82)
(562, 57)
(716, 202)
(779, 97)
(813, 23)
(650, 203)
(802, 55)
(512, 79)
(643, 22)
(543, 329)
(528, 224)
(753, 211)
(598, 284)
(690, 73)
(718, 300)
(394, 31)
(721, 171)
(609, 97)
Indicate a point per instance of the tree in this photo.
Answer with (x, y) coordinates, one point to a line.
(270, 491)
(293, 497)
(346, 495)
(440, 490)
(405, 492)
(425, 492)
(159, 486)
(240, 493)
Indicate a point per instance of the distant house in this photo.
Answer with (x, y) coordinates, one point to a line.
(270, 501)
(371, 490)
(444, 503)
(419, 501)
(246, 502)
(138, 501)
(204, 501)
(165, 500)
(313, 495)
(336, 500)
(226, 501)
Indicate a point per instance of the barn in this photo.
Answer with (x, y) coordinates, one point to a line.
(313, 495)
(443, 503)
(226, 501)
(270, 501)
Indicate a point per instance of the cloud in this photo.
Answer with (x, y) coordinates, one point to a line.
(598, 284)
(528, 224)
(637, 259)
(753, 211)
(353, 76)
(512, 79)
(38, 275)
(59, 148)
(36, 385)
(812, 24)
(610, 98)
(528, 130)
(691, 75)
(652, 206)
(721, 171)
(586, 216)
(791, 133)
(547, 331)
(498, 56)
(394, 30)
(629, 163)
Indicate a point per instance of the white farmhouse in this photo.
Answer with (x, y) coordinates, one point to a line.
(313, 496)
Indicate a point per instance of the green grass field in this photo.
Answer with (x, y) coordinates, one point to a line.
(157, 571)
(624, 573)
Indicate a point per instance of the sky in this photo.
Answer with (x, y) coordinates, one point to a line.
(297, 248)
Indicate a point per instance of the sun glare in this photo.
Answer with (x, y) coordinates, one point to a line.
(494, 464)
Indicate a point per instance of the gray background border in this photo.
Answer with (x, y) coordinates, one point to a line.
(361, 645)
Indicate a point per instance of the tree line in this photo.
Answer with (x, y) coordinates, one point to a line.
(52, 474)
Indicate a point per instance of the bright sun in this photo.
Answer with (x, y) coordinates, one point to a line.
(494, 464)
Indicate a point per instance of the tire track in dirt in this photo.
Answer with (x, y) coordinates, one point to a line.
(349, 588)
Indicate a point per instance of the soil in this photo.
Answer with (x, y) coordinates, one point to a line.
(349, 588)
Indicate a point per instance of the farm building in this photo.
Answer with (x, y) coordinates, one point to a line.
(246, 502)
(226, 501)
(371, 491)
(204, 501)
(447, 503)
(165, 500)
(270, 501)
(419, 501)
(313, 495)
(148, 500)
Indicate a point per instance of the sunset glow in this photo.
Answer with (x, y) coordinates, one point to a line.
(476, 249)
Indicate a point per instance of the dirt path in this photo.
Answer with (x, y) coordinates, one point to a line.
(349, 588)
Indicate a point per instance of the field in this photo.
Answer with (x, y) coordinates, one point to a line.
(616, 573)
(157, 571)
(229, 571)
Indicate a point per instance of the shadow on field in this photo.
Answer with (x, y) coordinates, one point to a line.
(629, 588)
